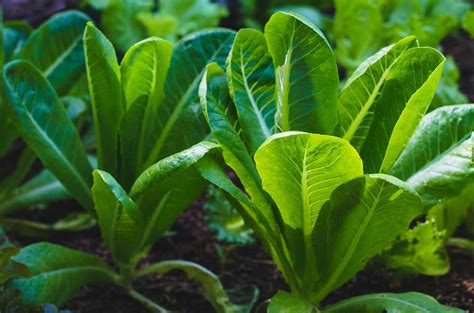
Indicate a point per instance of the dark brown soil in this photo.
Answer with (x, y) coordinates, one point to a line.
(455, 289)
(461, 47)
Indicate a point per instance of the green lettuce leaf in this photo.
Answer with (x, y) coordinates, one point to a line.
(120, 220)
(168, 187)
(364, 89)
(401, 107)
(361, 219)
(468, 23)
(437, 162)
(306, 75)
(252, 86)
(300, 171)
(37, 111)
(358, 30)
(57, 273)
(143, 70)
(410, 302)
(55, 48)
(179, 122)
(103, 75)
(288, 303)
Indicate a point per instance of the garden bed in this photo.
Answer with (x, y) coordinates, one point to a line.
(243, 269)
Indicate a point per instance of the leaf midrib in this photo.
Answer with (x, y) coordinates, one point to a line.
(58, 151)
(42, 189)
(349, 134)
(394, 299)
(112, 229)
(92, 95)
(75, 269)
(440, 156)
(284, 97)
(152, 222)
(61, 57)
(306, 214)
(146, 124)
(261, 121)
(155, 152)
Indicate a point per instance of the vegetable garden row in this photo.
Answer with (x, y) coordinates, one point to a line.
(335, 141)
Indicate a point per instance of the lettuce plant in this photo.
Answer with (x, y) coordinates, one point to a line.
(143, 110)
(321, 204)
(56, 50)
(130, 223)
(127, 22)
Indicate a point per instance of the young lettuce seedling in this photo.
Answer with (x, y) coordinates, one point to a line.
(318, 203)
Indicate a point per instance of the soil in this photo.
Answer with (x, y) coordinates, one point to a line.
(461, 47)
(34, 11)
